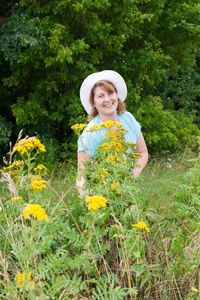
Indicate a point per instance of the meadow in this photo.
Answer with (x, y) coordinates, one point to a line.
(135, 238)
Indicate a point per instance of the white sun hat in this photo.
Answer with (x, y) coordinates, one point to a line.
(88, 83)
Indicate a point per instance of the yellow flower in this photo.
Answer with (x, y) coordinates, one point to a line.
(112, 159)
(141, 225)
(113, 186)
(121, 131)
(14, 174)
(38, 183)
(14, 164)
(112, 135)
(78, 126)
(36, 210)
(95, 202)
(21, 277)
(100, 176)
(40, 167)
(28, 144)
(31, 283)
(104, 146)
(105, 173)
(29, 276)
(16, 198)
(107, 124)
(117, 146)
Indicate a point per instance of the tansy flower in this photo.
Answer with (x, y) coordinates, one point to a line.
(116, 146)
(112, 159)
(36, 210)
(121, 130)
(100, 176)
(141, 225)
(29, 144)
(112, 135)
(114, 187)
(93, 128)
(78, 126)
(104, 146)
(14, 164)
(105, 174)
(15, 174)
(16, 198)
(21, 277)
(107, 124)
(38, 183)
(95, 202)
(40, 167)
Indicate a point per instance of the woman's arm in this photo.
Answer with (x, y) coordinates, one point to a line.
(141, 161)
(82, 157)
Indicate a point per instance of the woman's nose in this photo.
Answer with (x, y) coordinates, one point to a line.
(107, 97)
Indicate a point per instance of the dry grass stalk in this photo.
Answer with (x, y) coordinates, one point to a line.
(9, 182)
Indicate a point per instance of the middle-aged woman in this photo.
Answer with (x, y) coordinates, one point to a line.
(102, 95)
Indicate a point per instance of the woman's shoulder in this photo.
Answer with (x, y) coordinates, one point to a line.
(128, 115)
(93, 122)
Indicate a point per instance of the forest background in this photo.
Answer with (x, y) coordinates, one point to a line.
(144, 243)
(47, 48)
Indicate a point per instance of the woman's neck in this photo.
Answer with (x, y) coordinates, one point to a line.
(104, 118)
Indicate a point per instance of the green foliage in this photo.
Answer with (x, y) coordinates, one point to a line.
(167, 130)
(53, 46)
(5, 134)
(18, 34)
(81, 254)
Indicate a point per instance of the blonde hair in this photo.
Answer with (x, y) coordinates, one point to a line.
(107, 86)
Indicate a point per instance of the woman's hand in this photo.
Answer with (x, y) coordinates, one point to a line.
(141, 161)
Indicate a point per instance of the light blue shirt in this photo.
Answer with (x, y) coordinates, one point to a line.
(89, 141)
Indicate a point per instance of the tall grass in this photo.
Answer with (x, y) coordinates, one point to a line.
(81, 254)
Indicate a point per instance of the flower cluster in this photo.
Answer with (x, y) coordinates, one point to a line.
(36, 210)
(115, 186)
(104, 174)
(21, 277)
(95, 202)
(107, 124)
(15, 174)
(40, 167)
(16, 198)
(29, 144)
(141, 225)
(104, 146)
(78, 126)
(38, 183)
(14, 164)
(112, 159)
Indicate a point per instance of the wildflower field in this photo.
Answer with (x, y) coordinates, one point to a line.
(122, 241)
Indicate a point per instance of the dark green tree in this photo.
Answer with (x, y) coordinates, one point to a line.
(52, 46)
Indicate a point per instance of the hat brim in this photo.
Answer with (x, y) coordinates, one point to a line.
(88, 83)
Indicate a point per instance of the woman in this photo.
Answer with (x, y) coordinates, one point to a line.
(102, 95)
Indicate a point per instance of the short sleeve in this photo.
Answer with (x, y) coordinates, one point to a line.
(134, 128)
(88, 142)
(135, 123)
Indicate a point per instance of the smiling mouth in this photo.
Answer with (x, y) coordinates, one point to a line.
(108, 104)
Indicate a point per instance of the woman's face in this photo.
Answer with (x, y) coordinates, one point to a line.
(105, 102)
